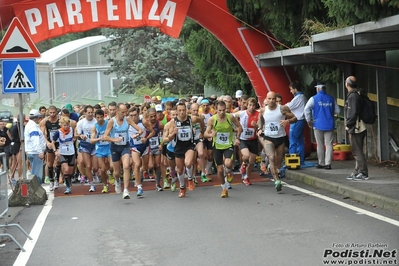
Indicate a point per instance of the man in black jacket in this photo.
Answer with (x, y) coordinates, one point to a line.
(356, 129)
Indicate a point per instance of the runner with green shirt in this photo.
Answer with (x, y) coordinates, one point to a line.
(220, 128)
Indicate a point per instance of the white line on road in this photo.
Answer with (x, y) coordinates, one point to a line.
(345, 205)
(29, 245)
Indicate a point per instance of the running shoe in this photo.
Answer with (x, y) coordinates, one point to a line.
(173, 187)
(126, 194)
(56, 184)
(47, 180)
(243, 168)
(151, 175)
(191, 185)
(182, 192)
(246, 181)
(92, 188)
(278, 185)
(168, 174)
(73, 178)
(139, 192)
(351, 177)
(51, 186)
(158, 188)
(145, 175)
(195, 181)
(111, 178)
(67, 190)
(224, 194)
(105, 189)
(96, 179)
(118, 189)
(82, 179)
(229, 177)
(360, 177)
(166, 183)
(204, 179)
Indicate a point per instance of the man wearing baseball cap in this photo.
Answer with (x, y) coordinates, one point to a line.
(35, 144)
(238, 94)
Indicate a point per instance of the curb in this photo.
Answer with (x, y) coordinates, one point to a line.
(368, 198)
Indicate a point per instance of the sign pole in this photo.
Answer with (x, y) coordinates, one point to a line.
(22, 136)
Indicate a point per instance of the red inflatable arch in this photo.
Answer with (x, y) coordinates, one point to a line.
(243, 43)
(44, 19)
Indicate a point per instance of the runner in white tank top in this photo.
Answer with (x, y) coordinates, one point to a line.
(271, 131)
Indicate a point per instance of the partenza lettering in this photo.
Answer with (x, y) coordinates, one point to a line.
(50, 18)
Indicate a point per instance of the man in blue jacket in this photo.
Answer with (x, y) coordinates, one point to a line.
(319, 114)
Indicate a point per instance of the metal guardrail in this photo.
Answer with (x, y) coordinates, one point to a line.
(4, 204)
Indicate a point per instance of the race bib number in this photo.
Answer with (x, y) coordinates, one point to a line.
(65, 149)
(184, 134)
(102, 142)
(154, 142)
(249, 133)
(137, 141)
(272, 128)
(222, 138)
(52, 133)
(123, 136)
(88, 136)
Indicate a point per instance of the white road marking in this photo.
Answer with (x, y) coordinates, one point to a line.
(345, 205)
(29, 245)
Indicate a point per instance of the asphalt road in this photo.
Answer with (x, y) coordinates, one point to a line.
(254, 226)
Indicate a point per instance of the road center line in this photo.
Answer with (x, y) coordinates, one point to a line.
(345, 205)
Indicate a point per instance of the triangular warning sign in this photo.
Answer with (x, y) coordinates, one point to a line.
(17, 43)
(19, 80)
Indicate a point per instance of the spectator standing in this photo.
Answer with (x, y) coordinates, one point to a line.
(15, 148)
(356, 129)
(35, 144)
(5, 141)
(319, 114)
(297, 106)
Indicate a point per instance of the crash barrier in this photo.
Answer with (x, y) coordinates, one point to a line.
(4, 204)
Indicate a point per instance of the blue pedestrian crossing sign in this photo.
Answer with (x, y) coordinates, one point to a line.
(19, 76)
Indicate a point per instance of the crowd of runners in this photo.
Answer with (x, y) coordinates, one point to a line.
(171, 142)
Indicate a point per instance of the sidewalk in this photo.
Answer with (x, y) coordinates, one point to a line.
(381, 190)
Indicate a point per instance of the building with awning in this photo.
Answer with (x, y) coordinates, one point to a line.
(369, 51)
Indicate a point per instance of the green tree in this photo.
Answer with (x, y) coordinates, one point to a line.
(213, 63)
(146, 57)
(293, 22)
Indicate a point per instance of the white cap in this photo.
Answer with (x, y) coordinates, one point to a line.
(239, 94)
(158, 108)
(34, 113)
(194, 97)
(199, 99)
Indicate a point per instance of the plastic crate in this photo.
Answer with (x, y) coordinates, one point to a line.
(292, 161)
(341, 155)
